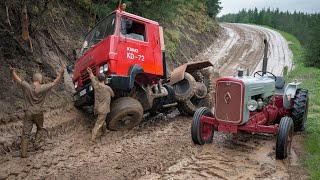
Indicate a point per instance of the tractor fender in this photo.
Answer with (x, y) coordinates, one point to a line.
(178, 73)
(289, 94)
(133, 72)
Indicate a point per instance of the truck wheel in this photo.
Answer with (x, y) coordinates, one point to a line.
(185, 88)
(300, 109)
(201, 133)
(125, 113)
(284, 138)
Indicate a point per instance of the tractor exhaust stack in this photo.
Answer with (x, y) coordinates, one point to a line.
(265, 58)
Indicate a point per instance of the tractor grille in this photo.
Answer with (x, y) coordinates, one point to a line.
(85, 76)
(229, 101)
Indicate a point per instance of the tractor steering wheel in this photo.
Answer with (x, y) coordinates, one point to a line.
(260, 74)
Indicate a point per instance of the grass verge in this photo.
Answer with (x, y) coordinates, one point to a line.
(310, 78)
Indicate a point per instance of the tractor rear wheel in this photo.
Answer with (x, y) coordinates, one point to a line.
(300, 109)
(189, 106)
(201, 133)
(125, 113)
(284, 138)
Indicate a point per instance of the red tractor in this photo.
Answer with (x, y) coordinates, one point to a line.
(130, 51)
(254, 104)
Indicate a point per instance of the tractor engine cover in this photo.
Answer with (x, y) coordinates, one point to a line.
(234, 93)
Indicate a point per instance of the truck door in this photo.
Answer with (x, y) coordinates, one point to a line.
(134, 47)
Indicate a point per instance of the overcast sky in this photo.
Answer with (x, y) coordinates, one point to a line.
(233, 6)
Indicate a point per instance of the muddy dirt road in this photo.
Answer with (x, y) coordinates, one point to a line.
(160, 147)
(241, 46)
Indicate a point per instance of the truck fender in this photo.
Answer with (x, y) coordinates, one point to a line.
(289, 94)
(178, 73)
(133, 72)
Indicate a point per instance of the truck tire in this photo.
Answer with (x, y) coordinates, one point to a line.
(125, 113)
(189, 107)
(201, 133)
(185, 88)
(284, 138)
(300, 109)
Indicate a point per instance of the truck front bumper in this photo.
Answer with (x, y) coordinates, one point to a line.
(84, 97)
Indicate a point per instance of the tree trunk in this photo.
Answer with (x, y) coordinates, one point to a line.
(24, 21)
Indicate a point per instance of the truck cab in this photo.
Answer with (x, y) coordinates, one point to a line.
(122, 46)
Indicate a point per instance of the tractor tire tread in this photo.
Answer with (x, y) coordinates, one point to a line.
(195, 126)
(300, 107)
(285, 125)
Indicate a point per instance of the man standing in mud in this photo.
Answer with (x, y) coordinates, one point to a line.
(102, 99)
(34, 95)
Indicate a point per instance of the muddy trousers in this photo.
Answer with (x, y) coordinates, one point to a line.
(28, 122)
(100, 124)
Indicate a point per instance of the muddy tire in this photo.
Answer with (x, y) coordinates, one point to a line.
(300, 109)
(125, 113)
(190, 106)
(201, 133)
(185, 88)
(284, 138)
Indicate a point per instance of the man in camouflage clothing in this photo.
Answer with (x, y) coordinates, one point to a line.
(34, 96)
(102, 99)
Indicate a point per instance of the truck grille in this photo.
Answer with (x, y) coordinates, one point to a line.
(85, 76)
(229, 101)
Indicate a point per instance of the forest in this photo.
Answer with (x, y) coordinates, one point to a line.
(306, 27)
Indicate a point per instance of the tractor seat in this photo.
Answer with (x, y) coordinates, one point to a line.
(280, 82)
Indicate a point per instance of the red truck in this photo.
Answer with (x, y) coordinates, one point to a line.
(130, 51)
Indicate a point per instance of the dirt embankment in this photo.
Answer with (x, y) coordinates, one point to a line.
(55, 30)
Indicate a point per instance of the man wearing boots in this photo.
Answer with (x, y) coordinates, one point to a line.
(34, 95)
(102, 99)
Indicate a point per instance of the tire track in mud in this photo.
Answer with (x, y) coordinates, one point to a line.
(242, 47)
(57, 120)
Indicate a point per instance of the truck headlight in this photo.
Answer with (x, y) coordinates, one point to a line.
(76, 84)
(105, 68)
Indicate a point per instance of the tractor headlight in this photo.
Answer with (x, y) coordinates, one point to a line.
(90, 88)
(252, 105)
(101, 69)
(76, 84)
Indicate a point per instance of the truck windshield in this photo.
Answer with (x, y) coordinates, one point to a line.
(102, 30)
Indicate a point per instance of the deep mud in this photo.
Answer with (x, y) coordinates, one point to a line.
(160, 147)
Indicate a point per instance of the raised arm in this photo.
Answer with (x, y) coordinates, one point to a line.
(59, 77)
(14, 75)
(89, 70)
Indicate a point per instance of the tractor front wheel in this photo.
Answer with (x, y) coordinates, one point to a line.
(284, 138)
(201, 133)
(125, 113)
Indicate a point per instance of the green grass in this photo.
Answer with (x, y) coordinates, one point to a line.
(310, 78)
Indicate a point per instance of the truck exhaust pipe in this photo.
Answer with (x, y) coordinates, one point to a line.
(265, 57)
